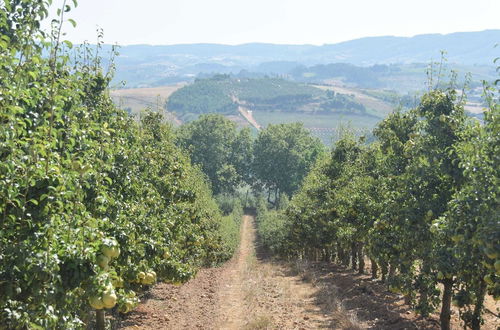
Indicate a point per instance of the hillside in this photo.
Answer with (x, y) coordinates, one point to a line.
(223, 94)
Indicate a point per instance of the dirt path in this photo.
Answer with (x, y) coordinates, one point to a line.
(247, 114)
(232, 299)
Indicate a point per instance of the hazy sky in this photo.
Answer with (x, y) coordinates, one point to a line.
(274, 21)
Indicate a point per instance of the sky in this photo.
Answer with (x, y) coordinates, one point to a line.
(166, 22)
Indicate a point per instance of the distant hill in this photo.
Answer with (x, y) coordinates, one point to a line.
(226, 95)
(145, 65)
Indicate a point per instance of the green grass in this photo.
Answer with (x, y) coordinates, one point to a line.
(324, 127)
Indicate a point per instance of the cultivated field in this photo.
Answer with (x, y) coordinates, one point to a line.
(372, 104)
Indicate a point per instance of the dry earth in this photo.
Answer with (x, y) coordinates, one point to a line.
(252, 291)
(247, 114)
(138, 99)
(368, 101)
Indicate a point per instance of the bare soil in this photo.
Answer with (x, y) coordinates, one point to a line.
(247, 114)
(382, 107)
(253, 291)
(139, 99)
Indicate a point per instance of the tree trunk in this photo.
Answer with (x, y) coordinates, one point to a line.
(445, 315)
(99, 319)
(424, 291)
(325, 255)
(276, 201)
(361, 258)
(478, 308)
(346, 259)
(310, 255)
(384, 272)
(354, 263)
(335, 255)
(338, 253)
(343, 255)
(374, 268)
(392, 271)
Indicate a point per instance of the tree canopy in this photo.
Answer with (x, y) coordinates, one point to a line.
(283, 155)
(221, 151)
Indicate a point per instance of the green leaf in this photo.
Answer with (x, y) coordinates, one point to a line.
(68, 43)
(72, 21)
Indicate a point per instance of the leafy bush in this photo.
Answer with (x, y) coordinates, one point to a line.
(272, 228)
(230, 229)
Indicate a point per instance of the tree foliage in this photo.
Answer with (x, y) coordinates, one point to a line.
(222, 152)
(204, 96)
(283, 155)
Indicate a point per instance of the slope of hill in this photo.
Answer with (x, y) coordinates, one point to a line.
(224, 94)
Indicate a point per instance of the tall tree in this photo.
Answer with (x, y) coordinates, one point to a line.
(472, 219)
(219, 149)
(283, 155)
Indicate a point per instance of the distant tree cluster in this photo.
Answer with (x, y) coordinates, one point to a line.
(204, 96)
(222, 152)
(367, 77)
(221, 94)
(275, 162)
(278, 93)
(337, 102)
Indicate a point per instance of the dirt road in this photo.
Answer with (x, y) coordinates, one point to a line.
(247, 114)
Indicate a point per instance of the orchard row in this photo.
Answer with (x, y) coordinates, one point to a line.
(421, 203)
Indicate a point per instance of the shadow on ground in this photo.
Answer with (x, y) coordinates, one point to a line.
(342, 292)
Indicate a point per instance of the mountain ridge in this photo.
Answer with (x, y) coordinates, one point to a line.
(165, 64)
(357, 51)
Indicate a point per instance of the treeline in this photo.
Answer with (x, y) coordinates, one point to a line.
(94, 206)
(274, 163)
(341, 103)
(275, 94)
(367, 77)
(421, 204)
(222, 93)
